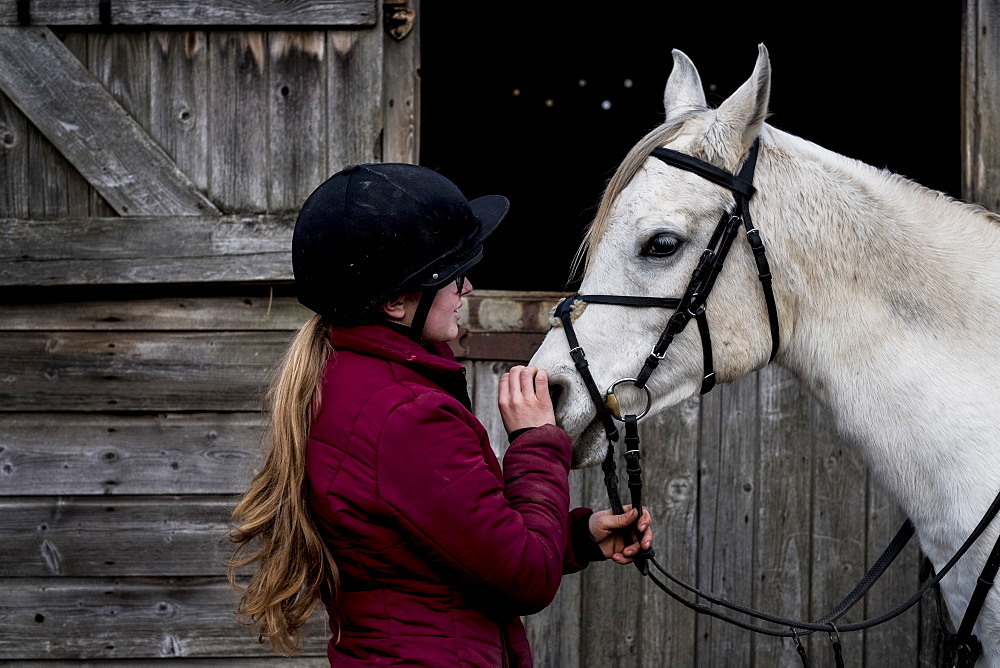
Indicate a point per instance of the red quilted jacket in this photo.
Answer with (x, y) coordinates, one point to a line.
(439, 551)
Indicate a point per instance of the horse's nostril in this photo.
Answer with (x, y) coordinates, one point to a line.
(555, 391)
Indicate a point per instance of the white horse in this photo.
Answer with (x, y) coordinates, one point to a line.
(888, 297)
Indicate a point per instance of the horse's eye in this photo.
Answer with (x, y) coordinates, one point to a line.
(661, 245)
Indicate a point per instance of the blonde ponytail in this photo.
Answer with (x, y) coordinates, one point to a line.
(294, 566)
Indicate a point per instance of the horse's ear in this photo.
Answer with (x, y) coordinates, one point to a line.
(745, 111)
(684, 92)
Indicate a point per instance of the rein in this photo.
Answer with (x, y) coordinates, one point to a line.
(963, 646)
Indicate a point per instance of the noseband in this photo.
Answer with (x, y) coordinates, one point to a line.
(963, 647)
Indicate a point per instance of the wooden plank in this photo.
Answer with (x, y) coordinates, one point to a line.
(610, 627)
(13, 160)
(238, 138)
(297, 120)
(670, 489)
(354, 93)
(897, 641)
(254, 309)
(181, 249)
(129, 618)
(730, 442)
(931, 650)
(509, 311)
(79, 454)
(981, 102)
(554, 633)
(178, 100)
(782, 543)
(56, 188)
(514, 346)
(137, 371)
(484, 399)
(108, 147)
(120, 61)
(839, 504)
(197, 13)
(401, 95)
(96, 536)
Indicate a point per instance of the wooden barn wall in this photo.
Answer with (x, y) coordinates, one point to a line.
(134, 349)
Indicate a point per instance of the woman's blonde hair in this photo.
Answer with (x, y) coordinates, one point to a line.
(273, 525)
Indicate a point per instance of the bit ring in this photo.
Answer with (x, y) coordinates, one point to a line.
(611, 393)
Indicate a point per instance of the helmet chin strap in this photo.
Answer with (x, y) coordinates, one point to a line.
(416, 329)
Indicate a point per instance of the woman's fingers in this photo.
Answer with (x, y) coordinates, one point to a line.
(542, 389)
(528, 382)
(524, 399)
(514, 380)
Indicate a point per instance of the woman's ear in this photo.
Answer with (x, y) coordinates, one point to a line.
(401, 308)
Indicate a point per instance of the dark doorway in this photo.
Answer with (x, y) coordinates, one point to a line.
(540, 101)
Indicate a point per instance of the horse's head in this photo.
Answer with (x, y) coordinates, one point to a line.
(652, 226)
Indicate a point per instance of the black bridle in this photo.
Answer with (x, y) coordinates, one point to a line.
(964, 647)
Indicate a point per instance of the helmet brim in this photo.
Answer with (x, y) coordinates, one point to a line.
(489, 211)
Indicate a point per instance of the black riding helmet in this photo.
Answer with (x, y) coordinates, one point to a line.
(372, 232)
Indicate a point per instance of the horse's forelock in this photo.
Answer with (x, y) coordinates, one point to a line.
(626, 171)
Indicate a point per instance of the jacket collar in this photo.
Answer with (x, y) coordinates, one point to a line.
(436, 362)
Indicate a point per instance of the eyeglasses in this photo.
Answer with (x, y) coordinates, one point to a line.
(460, 282)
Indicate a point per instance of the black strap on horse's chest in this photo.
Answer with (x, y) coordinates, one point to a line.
(963, 646)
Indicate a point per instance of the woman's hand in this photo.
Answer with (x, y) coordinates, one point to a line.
(609, 531)
(524, 398)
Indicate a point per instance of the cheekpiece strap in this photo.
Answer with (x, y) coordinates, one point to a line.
(564, 313)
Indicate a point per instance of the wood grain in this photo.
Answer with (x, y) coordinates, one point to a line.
(297, 63)
(237, 117)
(198, 13)
(96, 536)
(57, 454)
(254, 309)
(88, 126)
(130, 371)
(130, 618)
(981, 102)
(181, 249)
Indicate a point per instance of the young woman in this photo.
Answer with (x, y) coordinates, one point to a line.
(380, 493)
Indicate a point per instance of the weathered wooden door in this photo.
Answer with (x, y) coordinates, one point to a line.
(152, 157)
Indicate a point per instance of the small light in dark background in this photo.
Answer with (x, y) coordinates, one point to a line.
(550, 99)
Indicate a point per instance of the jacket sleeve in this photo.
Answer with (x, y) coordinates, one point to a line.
(509, 537)
(581, 549)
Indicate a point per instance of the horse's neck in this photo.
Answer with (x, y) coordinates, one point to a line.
(894, 323)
